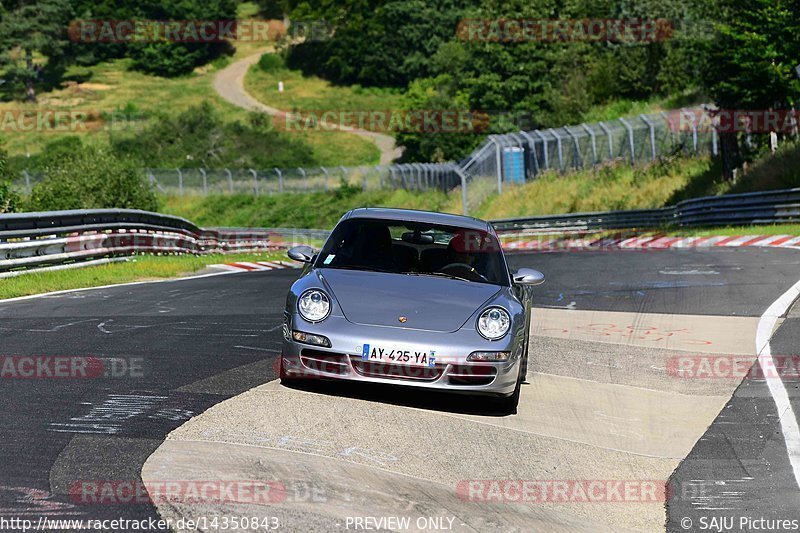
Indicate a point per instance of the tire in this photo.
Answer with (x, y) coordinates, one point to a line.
(523, 371)
(285, 378)
(508, 405)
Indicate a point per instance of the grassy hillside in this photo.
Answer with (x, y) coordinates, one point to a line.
(615, 186)
(609, 187)
(315, 210)
(310, 93)
(135, 98)
(111, 87)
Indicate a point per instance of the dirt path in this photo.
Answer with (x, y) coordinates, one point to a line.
(229, 83)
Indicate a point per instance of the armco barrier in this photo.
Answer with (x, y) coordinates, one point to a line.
(769, 207)
(32, 240)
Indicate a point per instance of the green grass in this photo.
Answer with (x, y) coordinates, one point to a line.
(301, 93)
(310, 93)
(776, 229)
(614, 186)
(610, 187)
(626, 108)
(314, 210)
(139, 268)
(780, 170)
(111, 86)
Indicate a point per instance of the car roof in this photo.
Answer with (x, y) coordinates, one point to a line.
(412, 215)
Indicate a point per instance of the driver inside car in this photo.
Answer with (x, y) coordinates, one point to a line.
(462, 252)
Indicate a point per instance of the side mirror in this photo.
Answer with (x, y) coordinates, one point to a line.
(303, 253)
(528, 276)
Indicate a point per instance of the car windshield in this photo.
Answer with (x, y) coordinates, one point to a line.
(415, 249)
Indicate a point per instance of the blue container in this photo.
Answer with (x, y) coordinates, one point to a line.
(514, 164)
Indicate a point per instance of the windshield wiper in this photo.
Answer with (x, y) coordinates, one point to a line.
(438, 275)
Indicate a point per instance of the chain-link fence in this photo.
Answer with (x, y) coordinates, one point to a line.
(301, 180)
(501, 161)
(515, 158)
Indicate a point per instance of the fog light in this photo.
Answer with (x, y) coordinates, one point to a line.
(489, 356)
(310, 338)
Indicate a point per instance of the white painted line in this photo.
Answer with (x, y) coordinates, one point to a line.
(789, 426)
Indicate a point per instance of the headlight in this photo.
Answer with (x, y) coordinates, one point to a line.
(494, 323)
(314, 305)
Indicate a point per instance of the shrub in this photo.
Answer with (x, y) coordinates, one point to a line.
(8, 198)
(88, 178)
(199, 137)
(270, 62)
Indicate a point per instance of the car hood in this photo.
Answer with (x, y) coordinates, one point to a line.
(428, 303)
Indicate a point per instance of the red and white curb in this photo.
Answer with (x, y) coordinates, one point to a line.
(247, 266)
(655, 242)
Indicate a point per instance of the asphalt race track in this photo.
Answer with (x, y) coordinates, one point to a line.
(180, 347)
(183, 332)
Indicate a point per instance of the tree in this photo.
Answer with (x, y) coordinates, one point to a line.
(33, 27)
(89, 178)
(376, 43)
(752, 62)
(157, 55)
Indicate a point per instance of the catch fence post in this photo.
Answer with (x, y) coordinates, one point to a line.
(630, 139)
(255, 180)
(205, 181)
(498, 163)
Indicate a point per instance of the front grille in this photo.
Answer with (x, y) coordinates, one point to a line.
(330, 362)
(392, 371)
(474, 375)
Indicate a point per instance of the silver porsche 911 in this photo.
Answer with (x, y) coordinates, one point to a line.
(414, 298)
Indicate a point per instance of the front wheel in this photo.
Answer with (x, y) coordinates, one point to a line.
(285, 378)
(509, 404)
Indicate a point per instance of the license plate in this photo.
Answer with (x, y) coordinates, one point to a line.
(398, 355)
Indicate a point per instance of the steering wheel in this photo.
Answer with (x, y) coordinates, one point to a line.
(471, 270)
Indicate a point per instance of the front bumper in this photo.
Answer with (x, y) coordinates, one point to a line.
(451, 372)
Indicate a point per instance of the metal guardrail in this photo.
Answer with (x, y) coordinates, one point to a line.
(769, 207)
(35, 240)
